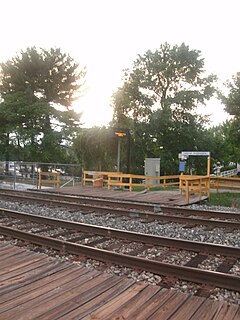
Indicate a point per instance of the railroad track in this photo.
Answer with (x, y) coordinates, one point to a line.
(139, 251)
(186, 216)
(80, 200)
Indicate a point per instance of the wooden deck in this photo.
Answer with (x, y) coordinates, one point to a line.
(173, 198)
(35, 286)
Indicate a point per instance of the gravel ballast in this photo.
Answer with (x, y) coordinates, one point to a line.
(173, 230)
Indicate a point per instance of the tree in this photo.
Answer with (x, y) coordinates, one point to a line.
(232, 106)
(38, 88)
(96, 149)
(232, 101)
(161, 93)
(169, 78)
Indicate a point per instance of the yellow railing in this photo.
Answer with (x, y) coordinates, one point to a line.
(96, 178)
(194, 185)
(132, 180)
(225, 183)
(55, 181)
(199, 185)
(118, 179)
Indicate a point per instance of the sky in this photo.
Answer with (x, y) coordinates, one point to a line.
(106, 36)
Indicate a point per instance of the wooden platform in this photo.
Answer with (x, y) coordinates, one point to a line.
(157, 197)
(35, 286)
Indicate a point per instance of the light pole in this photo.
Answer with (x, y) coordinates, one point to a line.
(121, 134)
(118, 155)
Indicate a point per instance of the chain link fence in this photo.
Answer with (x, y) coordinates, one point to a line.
(19, 175)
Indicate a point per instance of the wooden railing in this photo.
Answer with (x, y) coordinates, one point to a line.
(194, 185)
(189, 185)
(96, 178)
(225, 183)
(55, 181)
(120, 180)
(132, 180)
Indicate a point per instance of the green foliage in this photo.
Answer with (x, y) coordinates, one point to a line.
(232, 101)
(169, 78)
(37, 89)
(232, 106)
(158, 101)
(96, 149)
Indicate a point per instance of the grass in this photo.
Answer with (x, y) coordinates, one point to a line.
(225, 199)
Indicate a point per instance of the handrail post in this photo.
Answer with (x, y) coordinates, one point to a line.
(148, 184)
(39, 180)
(58, 180)
(208, 188)
(200, 189)
(180, 184)
(187, 192)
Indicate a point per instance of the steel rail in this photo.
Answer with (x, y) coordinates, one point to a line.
(125, 203)
(146, 215)
(80, 199)
(138, 214)
(83, 206)
(205, 213)
(152, 207)
(129, 235)
(213, 278)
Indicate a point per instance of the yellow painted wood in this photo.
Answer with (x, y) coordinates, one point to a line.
(189, 184)
(55, 181)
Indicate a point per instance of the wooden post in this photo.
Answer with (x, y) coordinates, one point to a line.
(181, 183)
(39, 180)
(148, 184)
(217, 185)
(121, 180)
(58, 180)
(208, 187)
(200, 189)
(208, 166)
(187, 192)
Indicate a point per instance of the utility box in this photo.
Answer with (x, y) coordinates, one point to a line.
(152, 168)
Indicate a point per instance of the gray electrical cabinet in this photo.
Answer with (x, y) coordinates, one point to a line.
(152, 168)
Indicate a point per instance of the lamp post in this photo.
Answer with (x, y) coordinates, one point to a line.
(118, 155)
(122, 134)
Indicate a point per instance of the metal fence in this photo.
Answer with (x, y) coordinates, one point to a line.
(21, 175)
(229, 173)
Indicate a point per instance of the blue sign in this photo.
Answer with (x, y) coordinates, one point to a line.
(181, 166)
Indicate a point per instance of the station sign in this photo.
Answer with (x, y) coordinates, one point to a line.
(195, 153)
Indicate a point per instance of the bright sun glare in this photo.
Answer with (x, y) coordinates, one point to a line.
(106, 36)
